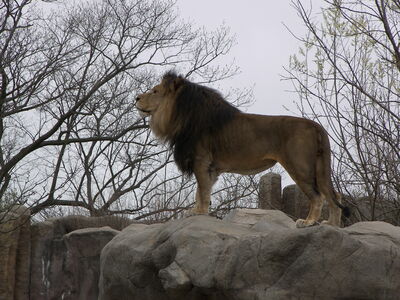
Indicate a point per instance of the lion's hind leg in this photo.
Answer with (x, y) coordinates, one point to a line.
(303, 173)
(316, 202)
(325, 185)
(335, 212)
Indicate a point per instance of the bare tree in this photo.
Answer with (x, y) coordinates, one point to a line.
(69, 132)
(347, 77)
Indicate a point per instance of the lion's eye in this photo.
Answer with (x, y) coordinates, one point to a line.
(154, 91)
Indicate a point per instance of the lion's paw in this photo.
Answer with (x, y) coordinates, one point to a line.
(301, 223)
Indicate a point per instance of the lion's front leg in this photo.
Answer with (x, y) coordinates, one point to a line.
(203, 198)
(206, 177)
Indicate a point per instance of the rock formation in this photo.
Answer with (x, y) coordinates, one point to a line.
(252, 254)
(52, 260)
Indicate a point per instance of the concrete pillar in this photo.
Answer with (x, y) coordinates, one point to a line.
(294, 202)
(270, 192)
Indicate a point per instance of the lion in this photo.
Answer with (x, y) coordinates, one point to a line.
(210, 136)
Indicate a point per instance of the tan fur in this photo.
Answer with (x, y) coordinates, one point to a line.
(249, 144)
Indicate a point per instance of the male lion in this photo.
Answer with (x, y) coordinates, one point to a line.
(209, 136)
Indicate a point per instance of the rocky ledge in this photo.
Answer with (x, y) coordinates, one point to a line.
(251, 254)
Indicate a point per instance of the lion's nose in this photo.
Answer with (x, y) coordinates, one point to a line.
(137, 98)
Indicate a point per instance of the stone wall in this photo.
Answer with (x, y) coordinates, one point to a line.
(14, 253)
(55, 259)
(65, 265)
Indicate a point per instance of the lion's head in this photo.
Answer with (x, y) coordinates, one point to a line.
(183, 113)
(158, 103)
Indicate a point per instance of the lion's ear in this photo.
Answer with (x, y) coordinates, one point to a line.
(178, 82)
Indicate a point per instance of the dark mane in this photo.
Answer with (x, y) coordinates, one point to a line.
(198, 112)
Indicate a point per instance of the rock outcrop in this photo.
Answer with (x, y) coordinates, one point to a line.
(252, 254)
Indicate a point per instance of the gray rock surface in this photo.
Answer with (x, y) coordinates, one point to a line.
(251, 255)
(260, 219)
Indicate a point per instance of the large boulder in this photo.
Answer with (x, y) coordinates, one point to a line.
(252, 254)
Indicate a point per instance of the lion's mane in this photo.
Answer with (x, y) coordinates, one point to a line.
(197, 114)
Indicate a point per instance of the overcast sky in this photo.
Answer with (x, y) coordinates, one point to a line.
(263, 44)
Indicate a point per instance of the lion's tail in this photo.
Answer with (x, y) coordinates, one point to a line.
(324, 172)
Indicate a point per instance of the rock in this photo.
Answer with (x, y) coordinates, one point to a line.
(258, 219)
(15, 253)
(175, 281)
(201, 257)
(65, 265)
